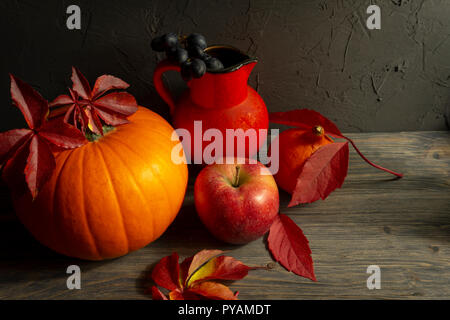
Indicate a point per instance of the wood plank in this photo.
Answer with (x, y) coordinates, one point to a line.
(402, 225)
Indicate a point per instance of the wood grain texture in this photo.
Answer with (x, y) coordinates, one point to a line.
(402, 225)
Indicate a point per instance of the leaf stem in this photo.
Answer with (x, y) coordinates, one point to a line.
(236, 177)
(400, 175)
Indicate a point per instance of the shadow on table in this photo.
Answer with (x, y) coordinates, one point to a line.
(24, 259)
(186, 236)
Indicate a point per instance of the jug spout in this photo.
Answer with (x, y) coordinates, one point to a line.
(226, 87)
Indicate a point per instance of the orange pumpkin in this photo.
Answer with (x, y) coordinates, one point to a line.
(111, 196)
(295, 147)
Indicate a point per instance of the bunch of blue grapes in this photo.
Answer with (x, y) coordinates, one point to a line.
(188, 52)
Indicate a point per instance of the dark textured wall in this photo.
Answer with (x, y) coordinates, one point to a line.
(316, 54)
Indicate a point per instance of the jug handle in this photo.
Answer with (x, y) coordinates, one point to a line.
(158, 82)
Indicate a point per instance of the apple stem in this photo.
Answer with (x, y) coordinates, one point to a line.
(236, 177)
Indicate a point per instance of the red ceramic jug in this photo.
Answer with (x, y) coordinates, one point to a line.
(220, 100)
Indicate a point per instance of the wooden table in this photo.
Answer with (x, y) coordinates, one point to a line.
(401, 225)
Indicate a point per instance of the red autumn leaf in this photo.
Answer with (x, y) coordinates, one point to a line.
(76, 116)
(184, 269)
(11, 140)
(213, 290)
(73, 109)
(28, 153)
(167, 272)
(111, 118)
(201, 258)
(61, 100)
(121, 103)
(187, 294)
(80, 84)
(304, 118)
(76, 112)
(84, 108)
(94, 122)
(106, 82)
(223, 268)
(157, 294)
(33, 107)
(40, 164)
(62, 134)
(188, 280)
(323, 172)
(226, 268)
(290, 248)
(177, 294)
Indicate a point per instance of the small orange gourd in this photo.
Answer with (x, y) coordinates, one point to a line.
(295, 147)
(111, 196)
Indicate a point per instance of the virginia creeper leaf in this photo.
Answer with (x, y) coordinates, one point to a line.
(323, 172)
(107, 82)
(71, 114)
(65, 104)
(184, 269)
(61, 100)
(94, 122)
(176, 294)
(213, 290)
(29, 152)
(187, 294)
(201, 258)
(11, 140)
(91, 106)
(223, 267)
(166, 272)
(62, 134)
(188, 280)
(290, 248)
(118, 102)
(111, 118)
(33, 107)
(79, 84)
(40, 165)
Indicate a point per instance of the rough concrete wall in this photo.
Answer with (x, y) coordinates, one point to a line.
(316, 54)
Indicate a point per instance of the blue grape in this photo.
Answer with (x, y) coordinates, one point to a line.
(189, 53)
(170, 40)
(165, 42)
(196, 40)
(196, 52)
(213, 64)
(177, 54)
(198, 68)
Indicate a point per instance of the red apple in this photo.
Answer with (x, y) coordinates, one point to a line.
(236, 202)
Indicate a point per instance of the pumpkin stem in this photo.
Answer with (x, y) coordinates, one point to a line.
(91, 136)
(318, 131)
(236, 177)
